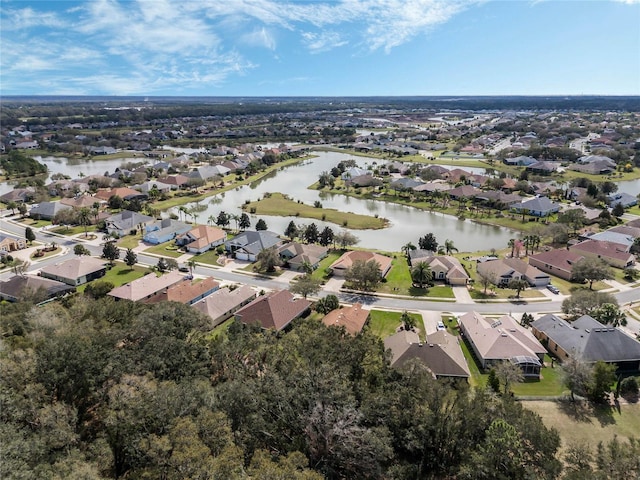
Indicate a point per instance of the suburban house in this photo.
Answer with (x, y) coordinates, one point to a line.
(504, 339)
(441, 353)
(209, 171)
(76, 271)
(445, 268)
(354, 172)
(344, 263)
(125, 222)
(146, 287)
(590, 341)
(81, 201)
(520, 161)
(176, 181)
(537, 207)
(353, 318)
(558, 262)
(47, 210)
(187, 292)
(507, 269)
(18, 195)
(296, 255)
(164, 230)
(612, 253)
(201, 238)
(463, 191)
(594, 164)
(247, 245)
(124, 193)
(160, 187)
(622, 198)
(274, 310)
(624, 241)
(11, 244)
(542, 167)
(223, 303)
(18, 285)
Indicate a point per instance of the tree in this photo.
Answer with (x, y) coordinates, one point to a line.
(191, 263)
(267, 260)
(421, 274)
(493, 382)
(518, 285)
(585, 302)
(327, 304)
(618, 210)
(84, 219)
(29, 235)
(602, 380)
(526, 319)
(305, 285)
(486, 279)
(130, 258)
(80, 249)
(326, 237)
(245, 221)
(574, 218)
(407, 248)
(261, 225)
(508, 373)
(223, 219)
(11, 205)
(428, 242)
(22, 209)
(98, 289)
(162, 266)
(610, 314)
(20, 267)
(592, 270)
(408, 321)
(364, 275)
(292, 231)
(115, 202)
(311, 233)
(110, 251)
(345, 239)
(449, 247)
(576, 376)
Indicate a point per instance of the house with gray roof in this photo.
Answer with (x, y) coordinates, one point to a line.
(123, 223)
(164, 230)
(521, 161)
(76, 271)
(13, 289)
(622, 239)
(209, 171)
(537, 207)
(223, 303)
(47, 210)
(247, 245)
(589, 340)
(441, 353)
(622, 198)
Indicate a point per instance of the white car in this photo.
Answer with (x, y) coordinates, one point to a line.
(441, 326)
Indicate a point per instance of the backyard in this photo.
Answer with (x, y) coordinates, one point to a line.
(120, 274)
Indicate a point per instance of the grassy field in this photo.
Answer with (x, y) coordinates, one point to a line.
(384, 324)
(398, 282)
(210, 257)
(580, 421)
(129, 241)
(320, 272)
(278, 204)
(163, 251)
(120, 274)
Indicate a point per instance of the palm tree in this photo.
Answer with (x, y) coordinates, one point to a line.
(449, 247)
(408, 248)
(84, 218)
(183, 210)
(191, 263)
(512, 245)
(235, 218)
(211, 219)
(421, 274)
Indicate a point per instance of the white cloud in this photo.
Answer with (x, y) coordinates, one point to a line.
(260, 37)
(323, 41)
(25, 18)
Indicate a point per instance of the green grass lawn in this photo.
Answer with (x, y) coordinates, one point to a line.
(46, 254)
(278, 204)
(550, 383)
(75, 230)
(29, 222)
(129, 241)
(210, 257)
(504, 293)
(398, 282)
(120, 274)
(384, 324)
(320, 272)
(163, 251)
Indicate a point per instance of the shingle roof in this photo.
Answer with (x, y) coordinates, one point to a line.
(145, 286)
(185, 292)
(75, 267)
(224, 300)
(273, 310)
(351, 318)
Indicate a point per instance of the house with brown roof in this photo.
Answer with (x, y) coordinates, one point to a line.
(223, 303)
(295, 254)
(463, 191)
(504, 339)
(176, 181)
(445, 268)
(558, 262)
(274, 310)
(612, 253)
(123, 192)
(507, 269)
(344, 263)
(441, 353)
(82, 201)
(353, 318)
(146, 287)
(201, 238)
(187, 292)
(76, 271)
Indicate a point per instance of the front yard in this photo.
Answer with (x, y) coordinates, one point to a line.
(167, 249)
(384, 323)
(120, 274)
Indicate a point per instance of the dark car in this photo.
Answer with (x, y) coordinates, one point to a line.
(183, 269)
(553, 289)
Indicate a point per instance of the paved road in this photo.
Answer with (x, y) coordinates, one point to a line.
(384, 302)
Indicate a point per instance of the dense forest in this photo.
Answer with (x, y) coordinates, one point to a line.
(94, 389)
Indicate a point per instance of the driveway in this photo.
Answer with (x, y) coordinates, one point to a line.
(430, 320)
(462, 294)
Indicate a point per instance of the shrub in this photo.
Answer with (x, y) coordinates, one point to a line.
(629, 386)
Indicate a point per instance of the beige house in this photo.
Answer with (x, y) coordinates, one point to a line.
(446, 268)
(353, 318)
(11, 244)
(187, 292)
(558, 262)
(612, 253)
(146, 287)
(344, 263)
(508, 269)
(223, 303)
(76, 271)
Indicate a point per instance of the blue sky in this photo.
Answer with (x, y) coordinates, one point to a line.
(319, 48)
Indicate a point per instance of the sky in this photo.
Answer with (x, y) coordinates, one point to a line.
(319, 47)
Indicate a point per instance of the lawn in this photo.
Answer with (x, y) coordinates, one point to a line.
(280, 205)
(210, 257)
(320, 272)
(503, 293)
(582, 422)
(384, 324)
(121, 274)
(46, 254)
(129, 241)
(165, 250)
(75, 230)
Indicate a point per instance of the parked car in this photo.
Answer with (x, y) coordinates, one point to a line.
(553, 289)
(183, 269)
(441, 326)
